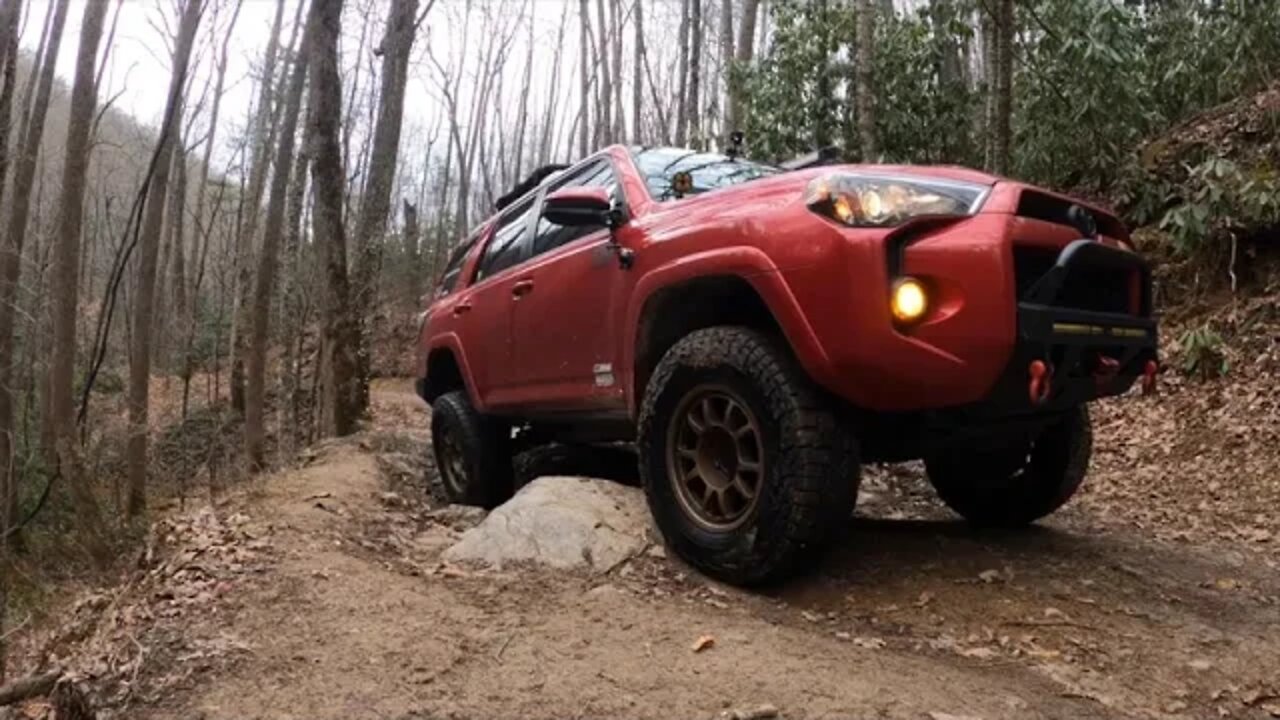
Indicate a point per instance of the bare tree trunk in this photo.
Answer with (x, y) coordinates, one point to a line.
(245, 235)
(604, 90)
(375, 205)
(619, 118)
(637, 76)
(1004, 88)
(70, 216)
(28, 90)
(149, 246)
(522, 120)
(989, 43)
(744, 54)
(177, 218)
(726, 63)
(825, 99)
(268, 263)
(864, 96)
(411, 239)
(693, 105)
(203, 227)
(292, 330)
(9, 12)
(340, 334)
(682, 67)
(11, 249)
(584, 77)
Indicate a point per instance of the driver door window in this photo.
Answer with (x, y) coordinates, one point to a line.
(550, 236)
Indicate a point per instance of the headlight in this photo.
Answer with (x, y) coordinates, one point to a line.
(870, 200)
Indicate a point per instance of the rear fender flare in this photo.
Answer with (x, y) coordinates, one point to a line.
(450, 341)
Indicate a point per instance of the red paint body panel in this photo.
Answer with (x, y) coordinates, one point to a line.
(826, 286)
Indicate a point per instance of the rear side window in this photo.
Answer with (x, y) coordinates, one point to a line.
(453, 269)
(509, 240)
(551, 236)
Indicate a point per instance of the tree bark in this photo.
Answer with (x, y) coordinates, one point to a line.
(203, 227)
(144, 296)
(637, 76)
(1004, 88)
(263, 124)
(618, 129)
(694, 105)
(268, 265)
(177, 218)
(988, 31)
(682, 67)
(743, 55)
(292, 330)
(604, 97)
(726, 63)
(11, 246)
(864, 93)
(66, 256)
(584, 77)
(375, 204)
(339, 400)
(9, 12)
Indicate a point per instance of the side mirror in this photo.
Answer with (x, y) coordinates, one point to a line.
(580, 207)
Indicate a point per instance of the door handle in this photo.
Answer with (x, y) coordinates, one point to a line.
(522, 288)
(461, 309)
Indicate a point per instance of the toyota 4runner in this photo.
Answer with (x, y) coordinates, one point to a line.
(761, 332)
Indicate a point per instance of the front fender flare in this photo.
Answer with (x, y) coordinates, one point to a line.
(751, 265)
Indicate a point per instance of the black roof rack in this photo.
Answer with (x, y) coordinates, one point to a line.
(534, 179)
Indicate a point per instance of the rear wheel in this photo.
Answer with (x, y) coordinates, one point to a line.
(473, 452)
(1013, 487)
(748, 473)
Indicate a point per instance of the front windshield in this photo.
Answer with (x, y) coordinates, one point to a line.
(708, 171)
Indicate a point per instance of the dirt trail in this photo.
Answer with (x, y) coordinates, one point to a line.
(351, 615)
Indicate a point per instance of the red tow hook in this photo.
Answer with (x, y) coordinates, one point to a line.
(1150, 372)
(1041, 381)
(1105, 371)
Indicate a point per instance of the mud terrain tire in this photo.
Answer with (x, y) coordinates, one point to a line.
(1005, 489)
(806, 462)
(473, 452)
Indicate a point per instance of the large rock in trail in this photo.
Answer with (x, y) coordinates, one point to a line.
(563, 522)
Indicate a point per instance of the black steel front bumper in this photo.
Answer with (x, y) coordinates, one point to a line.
(1088, 353)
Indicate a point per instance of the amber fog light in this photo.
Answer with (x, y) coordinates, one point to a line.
(908, 301)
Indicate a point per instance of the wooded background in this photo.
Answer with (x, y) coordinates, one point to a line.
(187, 298)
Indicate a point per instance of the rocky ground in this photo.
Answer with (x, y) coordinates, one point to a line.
(330, 590)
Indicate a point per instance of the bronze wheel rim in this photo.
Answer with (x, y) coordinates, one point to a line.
(453, 470)
(715, 457)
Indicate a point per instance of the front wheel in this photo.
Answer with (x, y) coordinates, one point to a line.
(1010, 487)
(748, 473)
(473, 452)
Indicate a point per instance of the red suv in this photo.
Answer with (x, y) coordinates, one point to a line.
(761, 331)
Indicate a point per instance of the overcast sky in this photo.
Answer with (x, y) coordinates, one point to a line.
(138, 64)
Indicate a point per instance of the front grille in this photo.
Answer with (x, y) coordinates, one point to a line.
(1087, 287)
